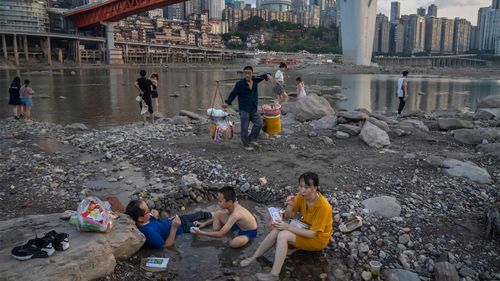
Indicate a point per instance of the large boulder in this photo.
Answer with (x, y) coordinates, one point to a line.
(353, 115)
(489, 148)
(490, 102)
(399, 275)
(190, 181)
(384, 206)
(313, 107)
(487, 114)
(373, 136)
(379, 123)
(413, 124)
(476, 136)
(90, 256)
(350, 129)
(446, 124)
(326, 123)
(456, 168)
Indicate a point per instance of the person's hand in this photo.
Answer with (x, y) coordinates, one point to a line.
(198, 224)
(281, 225)
(225, 106)
(155, 213)
(289, 200)
(176, 221)
(269, 77)
(194, 230)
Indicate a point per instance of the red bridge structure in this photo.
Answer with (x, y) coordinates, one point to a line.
(113, 11)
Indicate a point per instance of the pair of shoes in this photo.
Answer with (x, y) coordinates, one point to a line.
(42, 247)
(266, 277)
(256, 144)
(248, 148)
(351, 225)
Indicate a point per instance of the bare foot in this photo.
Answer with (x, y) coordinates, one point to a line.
(266, 277)
(246, 262)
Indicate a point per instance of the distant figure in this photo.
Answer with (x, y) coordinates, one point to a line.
(248, 99)
(311, 234)
(279, 89)
(402, 91)
(144, 85)
(231, 218)
(154, 91)
(301, 92)
(15, 98)
(26, 94)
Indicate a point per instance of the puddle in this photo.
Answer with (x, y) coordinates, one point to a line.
(203, 258)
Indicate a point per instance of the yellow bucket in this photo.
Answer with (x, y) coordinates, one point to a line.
(272, 124)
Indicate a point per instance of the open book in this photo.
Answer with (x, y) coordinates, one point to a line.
(157, 262)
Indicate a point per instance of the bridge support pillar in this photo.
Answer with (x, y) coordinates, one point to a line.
(16, 54)
(110, 38)
(78, 54)
(26, 52)
(60, 56)
(4, 46)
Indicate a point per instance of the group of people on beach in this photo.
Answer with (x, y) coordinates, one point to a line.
(21, 99)
(312, 234)
(148, 94)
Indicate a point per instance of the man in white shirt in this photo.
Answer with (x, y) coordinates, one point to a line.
(402, 91)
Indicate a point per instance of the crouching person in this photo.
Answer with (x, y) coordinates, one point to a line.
(159, 232)
(316, 212)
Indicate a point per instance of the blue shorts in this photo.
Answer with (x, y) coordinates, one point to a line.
(248, 233)
(26, 102)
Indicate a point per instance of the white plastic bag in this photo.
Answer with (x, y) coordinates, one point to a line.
(94, 215)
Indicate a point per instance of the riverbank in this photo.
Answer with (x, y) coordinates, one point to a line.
(48, 168)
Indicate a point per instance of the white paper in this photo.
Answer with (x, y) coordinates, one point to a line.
(157, 262)
(275, 214)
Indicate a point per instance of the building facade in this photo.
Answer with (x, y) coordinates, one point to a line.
(24, 15)
(414, 34)
(432, 11)
(276, 5)
(461, 36)
(395, 11)
(381, 40)
(421, 11)
(215, 8)
(397, 37)
(488, 27)
(447, 26)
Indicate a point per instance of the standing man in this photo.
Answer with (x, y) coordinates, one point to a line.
(144, 85)
(402, 91)
(248, 99)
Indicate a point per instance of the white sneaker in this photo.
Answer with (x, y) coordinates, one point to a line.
(256, 144)
(248, 148)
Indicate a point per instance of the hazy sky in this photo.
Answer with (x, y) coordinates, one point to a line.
(446, 8)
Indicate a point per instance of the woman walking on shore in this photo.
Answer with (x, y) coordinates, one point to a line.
(154, 91)
(26, 94)
(279, 89)
(15, 98)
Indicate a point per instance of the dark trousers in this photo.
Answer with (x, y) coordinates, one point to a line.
(245, 118)
(149, 103)
(188, 219)
(402, 102)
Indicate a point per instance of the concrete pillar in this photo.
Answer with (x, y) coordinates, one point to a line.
(49, 52)
(16, 54)
(26, 52)
(78, 54)
(110, 38)
(126, 53)
(60, 55)
(4, 46)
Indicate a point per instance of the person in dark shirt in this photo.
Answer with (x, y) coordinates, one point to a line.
(160, 232)
(15, 98)
(144, 85)
(248, 99)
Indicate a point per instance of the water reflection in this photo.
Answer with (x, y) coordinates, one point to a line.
(105, 97)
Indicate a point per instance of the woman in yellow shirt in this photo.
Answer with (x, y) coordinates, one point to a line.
(316, 212)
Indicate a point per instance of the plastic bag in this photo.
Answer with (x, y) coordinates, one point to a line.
(215, 112)
(94, 215)
(221, 131)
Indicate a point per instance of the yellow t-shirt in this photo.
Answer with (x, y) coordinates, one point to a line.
(318, 217)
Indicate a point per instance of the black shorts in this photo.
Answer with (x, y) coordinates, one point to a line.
(154, 94)
(147, 100)
(14, 100)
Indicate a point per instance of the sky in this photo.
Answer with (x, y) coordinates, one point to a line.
(446, 8)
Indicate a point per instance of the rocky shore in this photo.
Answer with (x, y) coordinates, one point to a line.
(426, 186)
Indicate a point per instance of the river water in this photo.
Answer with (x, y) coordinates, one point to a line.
(106, 97)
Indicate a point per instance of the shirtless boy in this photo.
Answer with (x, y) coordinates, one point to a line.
(232, 218)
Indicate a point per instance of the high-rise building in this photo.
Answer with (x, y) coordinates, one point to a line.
(414, 34)
(495, 4)
(397, 36)
(433, 32)
(314, 10)
(277, 5)
(299, 6)
(432, 11)
(421, 11)
(381, 37)
(461, 36)
(156, 13)
(239, 4)
(488, 22)
(175, 11)
(395, 11)
(215, 8)
(24, 15)
(447, 26)
(474, 38)
(258, 3)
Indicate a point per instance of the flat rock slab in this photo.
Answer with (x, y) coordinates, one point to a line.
(476, 136)
(446, 124)
(384, 206)
(353, 115)
(456, 168)
(350, 129)
(490, 102)
(489, 148)
(325, 123)
(413, 124)
(90, 256)
(399, 275)
(487, 114)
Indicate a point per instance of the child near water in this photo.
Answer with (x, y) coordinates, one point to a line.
(26, 94)
(301, 92)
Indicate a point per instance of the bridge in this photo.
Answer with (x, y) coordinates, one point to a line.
(430, 61)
